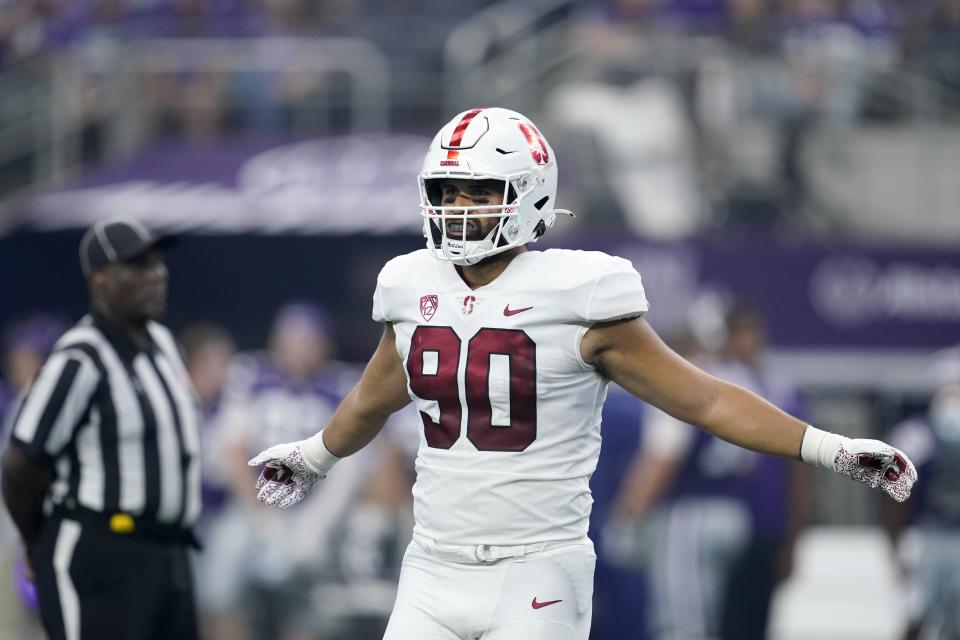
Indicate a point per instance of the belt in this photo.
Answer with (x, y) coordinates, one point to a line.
(476, 553)
(131, 526)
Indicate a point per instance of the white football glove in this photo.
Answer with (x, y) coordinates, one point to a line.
(285, 479)
(871, 462)
(877, 464)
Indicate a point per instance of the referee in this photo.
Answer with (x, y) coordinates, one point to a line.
(102, 473)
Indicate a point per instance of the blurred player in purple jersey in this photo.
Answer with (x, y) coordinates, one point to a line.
(287, 391)
(208, 351)
(263, 566)
(777, 490)
(722, 520)
(933, 573)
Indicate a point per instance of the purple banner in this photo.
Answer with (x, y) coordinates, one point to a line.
(334, 185)
(815, 296)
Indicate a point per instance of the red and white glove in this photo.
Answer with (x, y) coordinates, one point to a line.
(291, 470)
(871, 462)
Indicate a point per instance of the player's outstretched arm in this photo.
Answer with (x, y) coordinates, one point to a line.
(631, 354)
(292, 469)
(381, 391)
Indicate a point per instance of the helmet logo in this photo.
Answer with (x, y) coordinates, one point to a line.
(428, 306)
(538, 147)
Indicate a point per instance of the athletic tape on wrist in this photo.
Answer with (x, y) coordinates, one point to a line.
(819, 447)
(316, 455)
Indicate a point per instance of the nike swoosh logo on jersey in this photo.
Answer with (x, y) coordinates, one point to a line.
(541, 605)
(507, 311)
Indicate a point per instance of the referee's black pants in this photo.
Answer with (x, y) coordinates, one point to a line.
(94, 584)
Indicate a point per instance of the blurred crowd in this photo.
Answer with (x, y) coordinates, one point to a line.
(203, 102)
(34, 28)
(694, 535)
(708, 107)
(832, 48)
(924, 30)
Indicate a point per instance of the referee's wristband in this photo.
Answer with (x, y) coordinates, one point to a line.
(820, 448)
(316, 455)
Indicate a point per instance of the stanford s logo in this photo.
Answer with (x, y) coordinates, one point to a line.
(468, 303)
(538, 148)
(428, 306)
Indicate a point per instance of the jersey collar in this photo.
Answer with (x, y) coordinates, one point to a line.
(514, 267)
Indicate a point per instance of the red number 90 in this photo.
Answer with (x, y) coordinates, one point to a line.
(441, 383)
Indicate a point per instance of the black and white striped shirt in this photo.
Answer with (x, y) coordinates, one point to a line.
(119, 424)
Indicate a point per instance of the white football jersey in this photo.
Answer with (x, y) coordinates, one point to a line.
(511, 412)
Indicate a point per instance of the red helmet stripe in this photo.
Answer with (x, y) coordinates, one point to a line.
(460, 129)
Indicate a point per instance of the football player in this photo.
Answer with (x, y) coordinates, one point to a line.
(506, 353)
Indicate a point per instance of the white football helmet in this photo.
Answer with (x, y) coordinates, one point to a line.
(489, 144)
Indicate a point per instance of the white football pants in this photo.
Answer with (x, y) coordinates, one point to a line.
(531, 592)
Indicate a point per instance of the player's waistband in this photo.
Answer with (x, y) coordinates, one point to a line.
(490, 553)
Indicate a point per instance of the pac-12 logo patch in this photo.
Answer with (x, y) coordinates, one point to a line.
(428, 306)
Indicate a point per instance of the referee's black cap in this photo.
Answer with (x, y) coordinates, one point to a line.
(117, 240)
